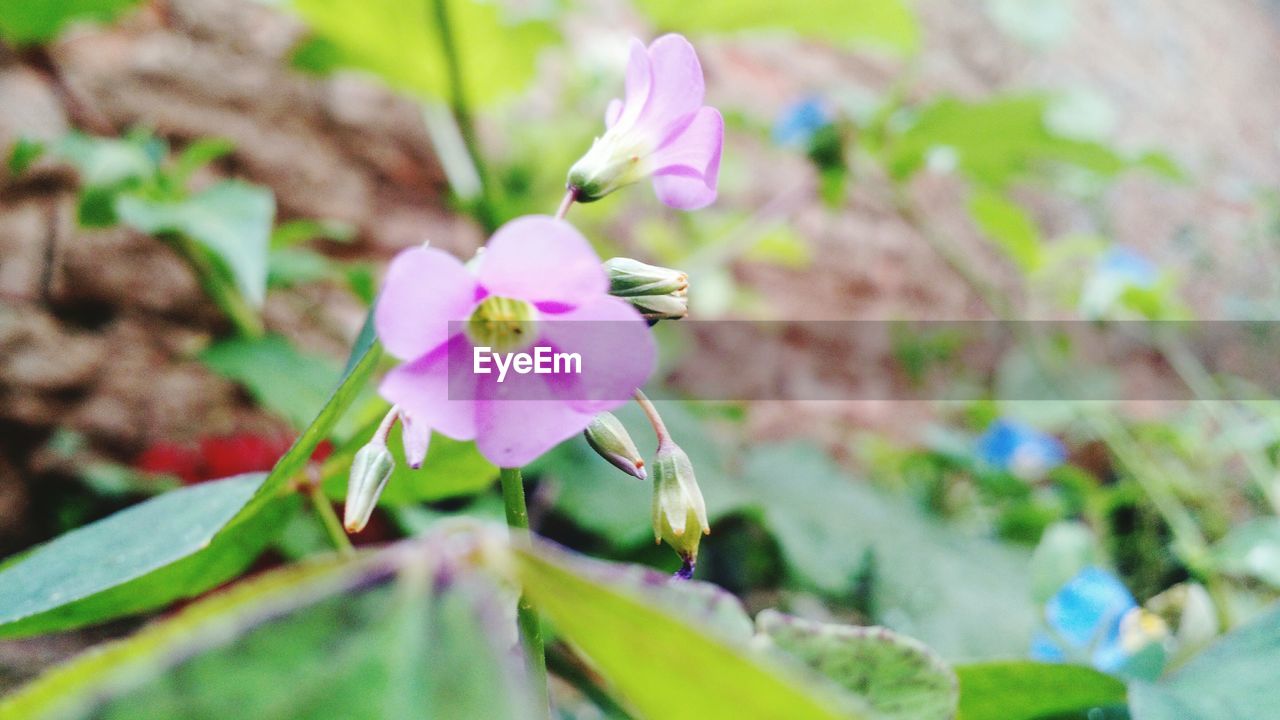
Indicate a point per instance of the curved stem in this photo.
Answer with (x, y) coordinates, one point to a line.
(569, 197)
(651, 412)
(246, 320)
(329, 519)
(526, 617)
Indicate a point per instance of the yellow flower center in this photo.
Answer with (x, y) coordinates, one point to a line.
(503, 324)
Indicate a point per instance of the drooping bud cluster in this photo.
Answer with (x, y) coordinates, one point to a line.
(658, 293)
(679, 512)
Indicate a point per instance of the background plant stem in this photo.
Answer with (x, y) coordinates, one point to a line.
(329, 519)
(246, 320)
(527, 618)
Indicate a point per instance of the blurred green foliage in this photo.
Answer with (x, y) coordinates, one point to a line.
(30, 22)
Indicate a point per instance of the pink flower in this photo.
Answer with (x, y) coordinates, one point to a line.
(537, 285)
(661, 130)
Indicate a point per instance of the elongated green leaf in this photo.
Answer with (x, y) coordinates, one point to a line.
(900, 678)
(286, 381)
(401, 42)
(360, 366)
(30, 22)
(231, 219)
(1234, 678)
(1252, 550)
(659, 662)
(397, 634)
(1027, 690)
(889, 23)
(171, 546)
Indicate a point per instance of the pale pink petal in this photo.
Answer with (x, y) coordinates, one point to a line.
(687, 167)
(416, 437)
(617, 352)
(542, 260)
(612, 112)
(424, 289)
(639, 85)
(678, 87)
(516, 432)
(437, 390)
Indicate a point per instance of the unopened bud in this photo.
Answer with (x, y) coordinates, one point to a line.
(614, 161)
(658, 293)
(370, 470)
(611, 441)
(679, 512)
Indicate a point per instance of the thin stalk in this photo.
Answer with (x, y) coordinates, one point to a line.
(329, 519)
(461, 107)
(651, 412)
(526, 617)
(246, 320)
(569, 197)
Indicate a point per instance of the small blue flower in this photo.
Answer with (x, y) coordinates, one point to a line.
(1118, 270)
(797, 123)
(1095, 618)
(1020, 449)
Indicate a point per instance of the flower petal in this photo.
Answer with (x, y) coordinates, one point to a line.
(512, 433)
(639, 86)
(424, 388)
(424, 290)
(687, 167)
(617, 350)
(416, 437)
(542, 260)
(612, 112)
(678, 87)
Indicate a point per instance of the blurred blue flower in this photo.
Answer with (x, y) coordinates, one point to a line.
(1094, 618)
(1119, 269)
(1020, 449)
(797, 123)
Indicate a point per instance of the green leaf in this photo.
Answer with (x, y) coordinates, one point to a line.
(169, 547)
(360, 366)
(658, 661)
(1024, 690)
(964, 596)
(1065, 549)
(284, 380)
(397, 634)
(996, 142)
(24, 153)
(401, 42)
(1009, 226)
(1234, 678)
(1251, 550)
(296, 232)
(886, 23)
(900, 678)
(231, 219)
(197, 155)
(29, 22)
(109, 162)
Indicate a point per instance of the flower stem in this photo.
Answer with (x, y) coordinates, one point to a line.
(651, 412)
(484, 209)
(526, 617)
(245, 319)
(329, 519)
(569, 197)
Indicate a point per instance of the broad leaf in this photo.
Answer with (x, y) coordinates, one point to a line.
(284, 380)
(169, 547)
(966, 597)
(1252, 550)
(1234, 678)
(1024, 690)
(659, 661)
(900, 678)
(230, 219)
(888, 23)
(30, 22)
(401, 42)
(394, 635)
